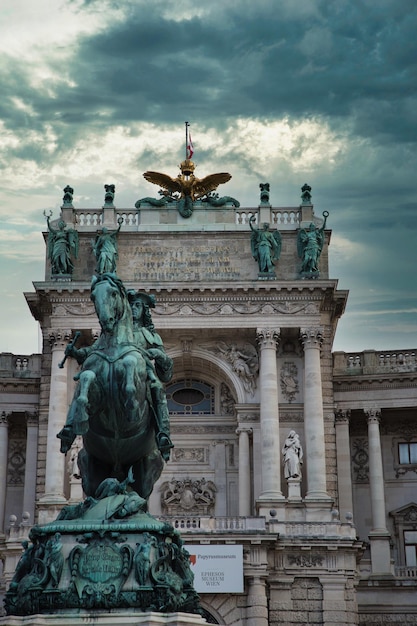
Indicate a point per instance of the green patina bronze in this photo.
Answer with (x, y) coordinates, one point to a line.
(103, 554)
(265, 247)
(108, 551)
(62, 245)
(105, 248)
(310, 243)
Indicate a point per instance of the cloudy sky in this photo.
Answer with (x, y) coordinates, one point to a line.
(285, 91)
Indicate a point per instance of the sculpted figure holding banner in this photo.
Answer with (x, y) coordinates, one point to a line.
(310, 244)
(62, 243)
(105, 249)
(292, 456)
(265, 246)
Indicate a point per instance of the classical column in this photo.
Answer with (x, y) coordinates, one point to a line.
(58, 407)
(344, 477)
(4, 446)
(269, 413)
(29, 493)
(257, 606)
(312, 339)
(220, 477)
(376, 475)
(379, 535)
(244, 470)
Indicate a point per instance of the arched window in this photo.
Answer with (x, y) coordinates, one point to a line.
(190, 397)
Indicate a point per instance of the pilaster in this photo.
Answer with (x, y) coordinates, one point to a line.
(344, 477)
(29, 494)
(4, 446)
(379, 536)
(244, 434)
(54, 498)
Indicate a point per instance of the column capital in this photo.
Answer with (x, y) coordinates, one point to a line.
(373, 415)
(59, 338)
(244, 429)
(268, 337)
(312, 337)
(342, 416)
(32, 419)
(4, 418)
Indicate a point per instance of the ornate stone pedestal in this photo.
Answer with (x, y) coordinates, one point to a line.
(96, 557)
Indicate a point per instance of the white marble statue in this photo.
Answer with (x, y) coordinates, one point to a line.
(292, 452)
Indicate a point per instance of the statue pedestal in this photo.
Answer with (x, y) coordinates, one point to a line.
(97, 563)
(106, 618)
(294, 489)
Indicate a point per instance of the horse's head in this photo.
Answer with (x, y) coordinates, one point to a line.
(110, 301)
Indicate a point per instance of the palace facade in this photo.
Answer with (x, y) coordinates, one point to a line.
(253, 361)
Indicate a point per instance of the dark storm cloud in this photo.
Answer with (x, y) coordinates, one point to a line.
(349, 60)
(352, 58)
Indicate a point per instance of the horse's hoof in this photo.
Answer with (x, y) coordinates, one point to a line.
(67, 437)
(165, 445)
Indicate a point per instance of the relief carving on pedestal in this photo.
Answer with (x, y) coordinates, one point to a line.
(360, 460)
(187, 496)
(289, 380)
(16, 462)
(302, 560)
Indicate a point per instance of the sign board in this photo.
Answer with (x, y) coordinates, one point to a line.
(217, 568)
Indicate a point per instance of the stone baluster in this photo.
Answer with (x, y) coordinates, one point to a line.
(379, 535)
(29, 493)
(269, 415)
(244, 470)
(344, 477)
(58, 407)
(312, 339)
(4, 447)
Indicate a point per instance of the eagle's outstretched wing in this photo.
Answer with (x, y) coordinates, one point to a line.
(209, 183)
(163, 180)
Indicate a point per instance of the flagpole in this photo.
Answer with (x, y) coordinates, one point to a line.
(186, 138)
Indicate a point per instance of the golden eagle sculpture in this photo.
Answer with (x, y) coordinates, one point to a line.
(186, 188)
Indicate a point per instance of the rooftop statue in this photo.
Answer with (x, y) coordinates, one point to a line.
(265, 247)
(68, 196)
(105, 249)
(310, 243)
(109, 195)
(62, 244)
(186, 188)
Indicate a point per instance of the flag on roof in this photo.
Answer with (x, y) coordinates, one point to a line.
(190, 147)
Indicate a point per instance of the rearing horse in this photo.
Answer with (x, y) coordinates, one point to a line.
(112, 407)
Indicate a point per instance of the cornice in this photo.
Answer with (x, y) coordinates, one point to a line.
(401, 380)
(15, 385)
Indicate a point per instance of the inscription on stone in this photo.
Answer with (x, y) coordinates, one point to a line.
(100, 564)
(195, 262)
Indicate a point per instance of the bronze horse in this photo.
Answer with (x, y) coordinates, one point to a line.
(112, 406)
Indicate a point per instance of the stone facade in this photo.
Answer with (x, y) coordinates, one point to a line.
(252, 361)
